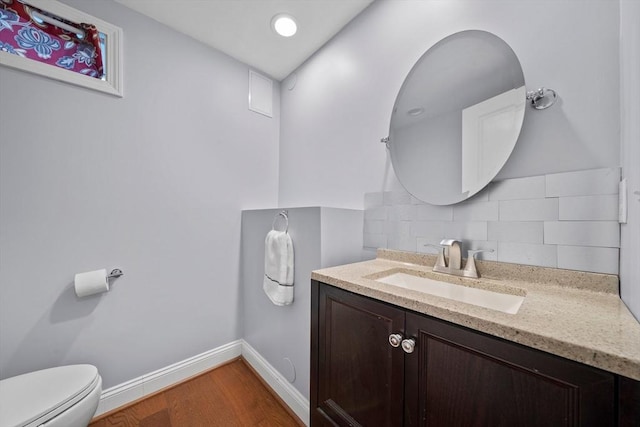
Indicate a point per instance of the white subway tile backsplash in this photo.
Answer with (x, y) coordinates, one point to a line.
(529, 210)
(583, 183)
(474, 230)
(438, 230)
(518, 188)
(402, 243)
(400, 212)
(376, 213)
(433, 230)
(426, 246)
(476, 211)
(589, 208)
(375, 240)
(397, 228)
(373, 200)
(583, 233)
(566, 220)
(585, 258)
(528, 253)
(399, 197)
(517, 231)
(432, 213)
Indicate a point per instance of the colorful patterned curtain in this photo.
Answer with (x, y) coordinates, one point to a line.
(21, 34)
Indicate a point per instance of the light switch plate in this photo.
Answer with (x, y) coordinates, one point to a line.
(622, 201)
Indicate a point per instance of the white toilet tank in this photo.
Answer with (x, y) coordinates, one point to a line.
(64, 396)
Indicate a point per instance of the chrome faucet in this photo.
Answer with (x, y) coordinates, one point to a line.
(454, 266)
(455, 253)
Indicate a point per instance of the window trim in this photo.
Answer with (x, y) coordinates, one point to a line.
(113, 84)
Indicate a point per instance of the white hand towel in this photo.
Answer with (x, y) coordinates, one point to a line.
(278, 267)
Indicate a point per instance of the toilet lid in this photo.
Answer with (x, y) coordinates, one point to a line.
(38, 396)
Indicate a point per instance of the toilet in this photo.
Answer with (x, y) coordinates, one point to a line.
(66, 396)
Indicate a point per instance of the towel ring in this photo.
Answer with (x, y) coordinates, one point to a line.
(542, 98)
(283, 214)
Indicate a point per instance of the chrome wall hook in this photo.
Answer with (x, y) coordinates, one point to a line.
(542, 98)
(284, 214)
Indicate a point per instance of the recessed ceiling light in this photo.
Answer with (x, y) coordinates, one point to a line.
(284, 25)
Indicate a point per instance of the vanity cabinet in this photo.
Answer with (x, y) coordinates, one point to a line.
(357, 377)
(452, 376)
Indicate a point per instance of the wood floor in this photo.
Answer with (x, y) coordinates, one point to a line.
(231, 395)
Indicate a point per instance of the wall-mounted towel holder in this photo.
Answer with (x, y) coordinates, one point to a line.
(283, 214)
(542, 98)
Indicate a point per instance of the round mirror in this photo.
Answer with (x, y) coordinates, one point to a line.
(457, 117)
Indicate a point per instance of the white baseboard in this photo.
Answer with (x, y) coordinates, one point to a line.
(137, 388)
(288, 393)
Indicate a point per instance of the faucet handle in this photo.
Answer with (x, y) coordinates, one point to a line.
(470, 268)
(473, 252)
(440, 260)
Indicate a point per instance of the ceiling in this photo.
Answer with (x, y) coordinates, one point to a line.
(242, 28)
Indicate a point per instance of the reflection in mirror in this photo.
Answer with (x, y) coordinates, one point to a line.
(457, 117)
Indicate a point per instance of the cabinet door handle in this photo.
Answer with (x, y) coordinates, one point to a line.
(395, 340)
(408, 345)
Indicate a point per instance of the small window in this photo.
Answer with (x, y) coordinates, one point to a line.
(54, 40)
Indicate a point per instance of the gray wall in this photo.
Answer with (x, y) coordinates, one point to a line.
(565, 220)
(152, 183)
(322, 237)
(340, 107)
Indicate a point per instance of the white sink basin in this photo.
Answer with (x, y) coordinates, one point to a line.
(506, 303)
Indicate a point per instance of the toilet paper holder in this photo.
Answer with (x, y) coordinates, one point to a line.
(94, 282)
(115, 273)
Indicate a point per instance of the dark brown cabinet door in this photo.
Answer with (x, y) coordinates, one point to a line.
(359, 374)
(459, 377)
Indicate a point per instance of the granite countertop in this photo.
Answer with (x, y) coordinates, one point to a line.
(576, 315)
